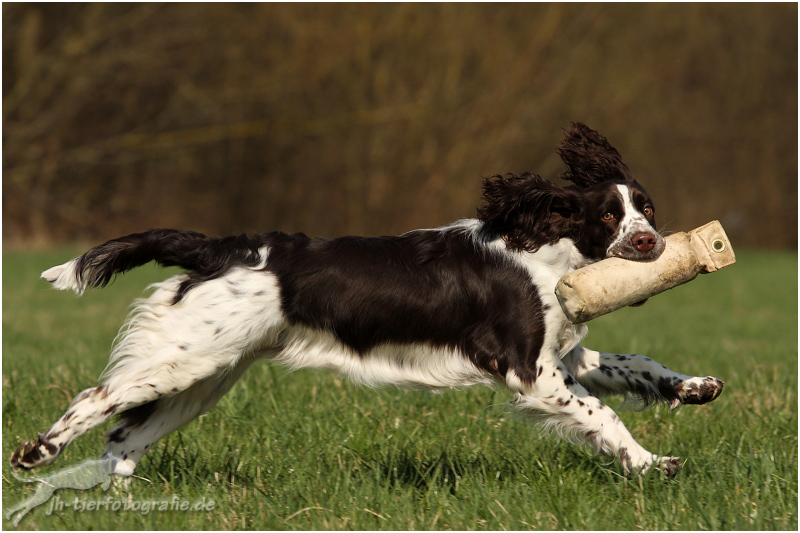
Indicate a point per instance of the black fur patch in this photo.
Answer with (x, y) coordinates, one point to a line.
(590, 158)
(528, 211)
(117, 435)
(110, 409)
(138, 415)
(430, 286)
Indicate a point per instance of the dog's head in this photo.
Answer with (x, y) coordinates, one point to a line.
(606, 213)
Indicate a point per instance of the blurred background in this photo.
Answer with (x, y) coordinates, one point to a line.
(381, 118)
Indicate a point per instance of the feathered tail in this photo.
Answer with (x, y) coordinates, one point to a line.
(206, 257)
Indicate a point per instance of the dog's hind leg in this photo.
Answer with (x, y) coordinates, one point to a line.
(151, 406)
(143, 426)
(167, 347)
(165, 387)
(85, 412)
(94, 406)
(89, 409)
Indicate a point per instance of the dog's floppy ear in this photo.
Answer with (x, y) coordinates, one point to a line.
(590, 159)
(528, 211)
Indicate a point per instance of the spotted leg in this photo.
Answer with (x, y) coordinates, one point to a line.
(89, 409)
(143, 426)
(94, 406)
(560, 402)
(605, 373)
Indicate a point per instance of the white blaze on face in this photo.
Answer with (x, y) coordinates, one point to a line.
(632, 222)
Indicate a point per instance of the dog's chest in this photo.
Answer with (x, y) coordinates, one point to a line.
(560, 333)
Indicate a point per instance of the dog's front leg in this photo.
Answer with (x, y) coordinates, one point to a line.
(556, 399)
(607, 373)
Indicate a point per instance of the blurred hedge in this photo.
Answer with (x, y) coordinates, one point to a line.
(380, 118)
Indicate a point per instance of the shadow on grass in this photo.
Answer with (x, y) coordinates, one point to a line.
(444, 471)
(184, 463)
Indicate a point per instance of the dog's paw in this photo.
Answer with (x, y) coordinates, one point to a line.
(697, 391)
(34, 453)
(668, 465)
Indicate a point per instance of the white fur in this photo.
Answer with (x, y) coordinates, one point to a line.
(413, 365)
(221, 328)
(64, 277)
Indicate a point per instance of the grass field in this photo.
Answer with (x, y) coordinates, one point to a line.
(310, 451)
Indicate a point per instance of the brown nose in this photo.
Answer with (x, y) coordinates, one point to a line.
(644, 242)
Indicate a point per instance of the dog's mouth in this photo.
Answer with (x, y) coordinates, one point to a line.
(626, 250)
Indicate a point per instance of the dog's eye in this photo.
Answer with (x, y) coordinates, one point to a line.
(648, 210)
(608, 216)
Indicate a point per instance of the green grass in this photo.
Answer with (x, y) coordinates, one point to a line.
(311, 451)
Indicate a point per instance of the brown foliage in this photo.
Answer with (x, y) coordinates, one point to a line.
(380, 118)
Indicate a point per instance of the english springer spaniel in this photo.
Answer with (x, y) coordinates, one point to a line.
(464, 304)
